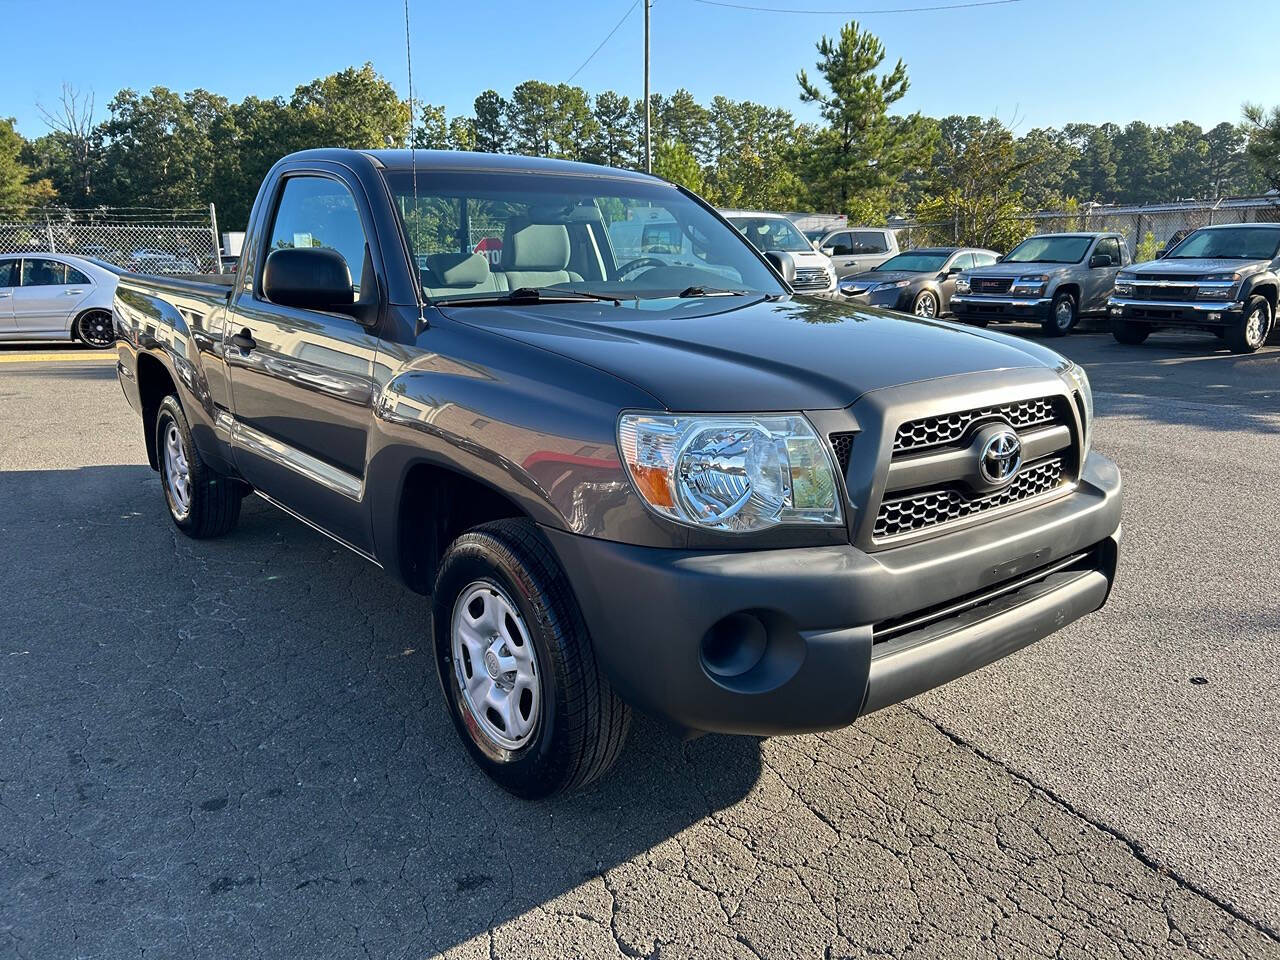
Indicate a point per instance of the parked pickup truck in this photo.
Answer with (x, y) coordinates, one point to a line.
(624, 484)
(1222, 278)
(859, 249)
(1050, 279)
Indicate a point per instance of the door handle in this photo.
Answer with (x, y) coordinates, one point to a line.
(5, 293)
(244, 341)
(72, 293)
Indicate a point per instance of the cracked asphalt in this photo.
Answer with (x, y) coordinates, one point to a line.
(237, 749)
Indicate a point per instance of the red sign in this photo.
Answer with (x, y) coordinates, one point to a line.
(491, 247)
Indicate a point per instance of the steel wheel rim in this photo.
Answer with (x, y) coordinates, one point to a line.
(495, 666)
(96, 331)
(925, 306)
(177, 472)
(1062, 314)
(1253, 326)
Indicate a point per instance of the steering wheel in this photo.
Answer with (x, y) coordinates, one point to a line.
(633, 265)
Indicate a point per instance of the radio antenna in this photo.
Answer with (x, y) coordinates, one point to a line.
(413, 166)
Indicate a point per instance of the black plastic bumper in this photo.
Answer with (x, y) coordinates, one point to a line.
(784, 641)
(1164, 313)
(1000, 309)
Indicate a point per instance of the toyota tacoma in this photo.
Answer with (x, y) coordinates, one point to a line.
(674, 487)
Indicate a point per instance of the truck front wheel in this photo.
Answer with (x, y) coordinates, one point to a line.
(1062, 315)
(1251, 332)
(1126, 331)
(202, 502)
(517, 666)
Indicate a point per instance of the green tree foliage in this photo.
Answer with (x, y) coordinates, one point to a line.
(18, 190)
(354, 108)
(492, 135)
(674, 161)
(862, 149)
(1264, 142)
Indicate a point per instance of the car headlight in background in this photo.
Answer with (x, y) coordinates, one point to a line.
(1078, 380)
(733, 473)
(1124, 284)
(892, 284)
(1223, 287)
(1029, 286)
(962, 284)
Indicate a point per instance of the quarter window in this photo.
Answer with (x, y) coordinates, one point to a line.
(75, 276)
(984, 259)
(320, 212)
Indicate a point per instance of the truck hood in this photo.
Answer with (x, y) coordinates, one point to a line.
(1021, 269)
(1196, 267)
(736, 354)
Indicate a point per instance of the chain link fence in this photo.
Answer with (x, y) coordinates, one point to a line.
(1146, 228)
(137, 239)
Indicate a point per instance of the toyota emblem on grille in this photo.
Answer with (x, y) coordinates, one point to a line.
(1001, 457)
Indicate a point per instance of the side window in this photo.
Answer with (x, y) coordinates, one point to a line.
(963, 262)
(318, 211)
(1111, 247)
(9, 273)
(869, 241)
(43, 273)
(984, 259)
(75, 276)
(841, 245)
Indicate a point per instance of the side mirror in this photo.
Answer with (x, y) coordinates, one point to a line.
(309, 278)
(1100, 260)
(1162, 253)
(783, 263)
(829, 251)
(951, 272)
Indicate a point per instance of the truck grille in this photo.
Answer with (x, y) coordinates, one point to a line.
(919, 511)
(842, 447)
(811, 278)
(1182, 292)
(936, 431)
(990, 284)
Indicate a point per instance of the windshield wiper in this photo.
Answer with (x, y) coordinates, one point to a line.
(533, 295)
(699, 291)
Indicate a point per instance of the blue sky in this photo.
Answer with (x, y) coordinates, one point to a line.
(1031, 62)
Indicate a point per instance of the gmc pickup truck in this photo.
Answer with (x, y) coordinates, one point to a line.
(1051, 279)
(1224, 279)
(624, 483)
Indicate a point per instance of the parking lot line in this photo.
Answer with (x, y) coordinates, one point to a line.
(79, 356)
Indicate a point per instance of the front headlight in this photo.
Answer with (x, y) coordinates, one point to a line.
(734, 473)
(1221, 286)
(892, 284)
(962, 284)
(1078, 380)
(1124, 285)
(1032, 285)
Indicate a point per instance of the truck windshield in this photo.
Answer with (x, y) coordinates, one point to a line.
(1049, 250)
(772, 233)
(482, 235)
(1235, 243)
(916, 261)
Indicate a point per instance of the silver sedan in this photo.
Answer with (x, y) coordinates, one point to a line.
(47, 296)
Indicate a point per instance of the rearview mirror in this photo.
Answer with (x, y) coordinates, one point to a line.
(1100, 260)
(309, 278)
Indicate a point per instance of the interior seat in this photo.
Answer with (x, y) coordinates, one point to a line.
(536, 254)
(451, 274)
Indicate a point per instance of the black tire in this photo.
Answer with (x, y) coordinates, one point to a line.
(1252, 331)
(213, 501)
(1063, 315)
(96, 328)
(1127, 331)
(581, 724)
(977, 321)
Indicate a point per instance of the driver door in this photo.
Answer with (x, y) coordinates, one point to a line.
(1101, 281)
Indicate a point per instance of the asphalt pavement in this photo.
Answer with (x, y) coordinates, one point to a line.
(237, 748)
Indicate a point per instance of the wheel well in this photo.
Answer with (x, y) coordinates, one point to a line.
(154, 384)
(1267, 290)
(75, 324)
(1070, 288)
(436, 506)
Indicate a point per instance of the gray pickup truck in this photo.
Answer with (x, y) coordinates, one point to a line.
(624, 483)
(1051, 279)
(1224, 279)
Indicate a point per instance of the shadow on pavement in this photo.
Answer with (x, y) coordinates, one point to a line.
(240, 745)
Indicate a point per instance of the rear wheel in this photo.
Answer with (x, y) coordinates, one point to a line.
(1252, 331)
(1126, 331)
(517, 665)
(926, 304)
(96, 328)
(202, 503)
(1062, 315)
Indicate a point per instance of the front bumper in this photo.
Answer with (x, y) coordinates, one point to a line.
(784, 641)
(997, 309)
(889, 299)
(1199, 313)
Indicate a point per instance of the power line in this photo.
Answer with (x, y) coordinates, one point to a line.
(858, 13)
(609, 36)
